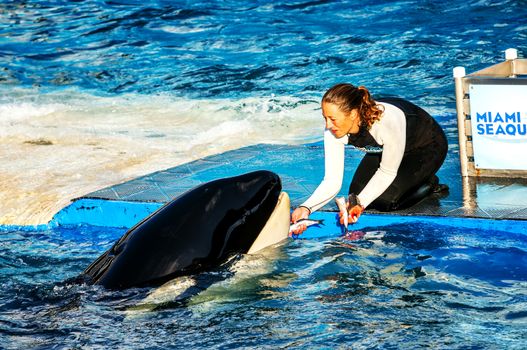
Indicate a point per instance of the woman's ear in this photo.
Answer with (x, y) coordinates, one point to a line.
(354, 114)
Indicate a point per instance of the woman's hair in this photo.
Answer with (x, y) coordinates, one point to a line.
(348, 97)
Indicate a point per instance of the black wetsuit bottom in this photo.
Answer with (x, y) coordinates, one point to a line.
(415, 178)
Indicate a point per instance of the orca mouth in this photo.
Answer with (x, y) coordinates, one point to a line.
(276, 228)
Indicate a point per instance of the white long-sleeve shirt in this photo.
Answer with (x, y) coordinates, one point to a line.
(390, 133)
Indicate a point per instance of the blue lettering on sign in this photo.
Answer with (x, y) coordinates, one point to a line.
(481, 117)
(510, 118)
(505, 123)
(489, 129)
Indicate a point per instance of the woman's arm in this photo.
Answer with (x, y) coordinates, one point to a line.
(333, 172)
(390, 132)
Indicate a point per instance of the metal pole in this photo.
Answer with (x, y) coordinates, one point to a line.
(459, 73)
(511, 55)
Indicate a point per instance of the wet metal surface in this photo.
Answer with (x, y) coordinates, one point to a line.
(301, 169)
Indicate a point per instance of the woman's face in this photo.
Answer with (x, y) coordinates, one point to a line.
(339, 122)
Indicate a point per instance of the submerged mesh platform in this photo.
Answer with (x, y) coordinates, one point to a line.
(301, 169)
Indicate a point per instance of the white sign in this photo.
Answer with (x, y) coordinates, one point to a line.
(498, 116)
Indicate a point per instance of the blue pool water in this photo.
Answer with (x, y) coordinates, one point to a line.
(405, 285)
(212, 49)
(232, 65)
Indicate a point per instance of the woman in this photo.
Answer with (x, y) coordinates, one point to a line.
(404, 148)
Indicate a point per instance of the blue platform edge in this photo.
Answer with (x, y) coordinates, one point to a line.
(121, 214)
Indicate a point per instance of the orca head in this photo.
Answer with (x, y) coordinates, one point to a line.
(196, 231)
(251, 200)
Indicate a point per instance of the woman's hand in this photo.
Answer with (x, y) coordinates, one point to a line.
(354, 213)
(299, 213)
(354, 208)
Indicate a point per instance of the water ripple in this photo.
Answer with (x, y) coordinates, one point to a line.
(384, 46)
(399, 283)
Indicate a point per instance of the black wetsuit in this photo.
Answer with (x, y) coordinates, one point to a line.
(425, 150)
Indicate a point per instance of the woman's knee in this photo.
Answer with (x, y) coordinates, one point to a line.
(387, 201)
(383, 204)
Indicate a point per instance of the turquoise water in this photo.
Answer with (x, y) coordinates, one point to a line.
(406, 285)
(240, 66)
(211, 49)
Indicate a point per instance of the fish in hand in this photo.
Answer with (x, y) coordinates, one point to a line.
(307, 222)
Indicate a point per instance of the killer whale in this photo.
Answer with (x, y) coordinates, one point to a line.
(196, 231)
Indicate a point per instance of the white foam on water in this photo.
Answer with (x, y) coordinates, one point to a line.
(60, 145)
(12, 112)
(187, 29)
